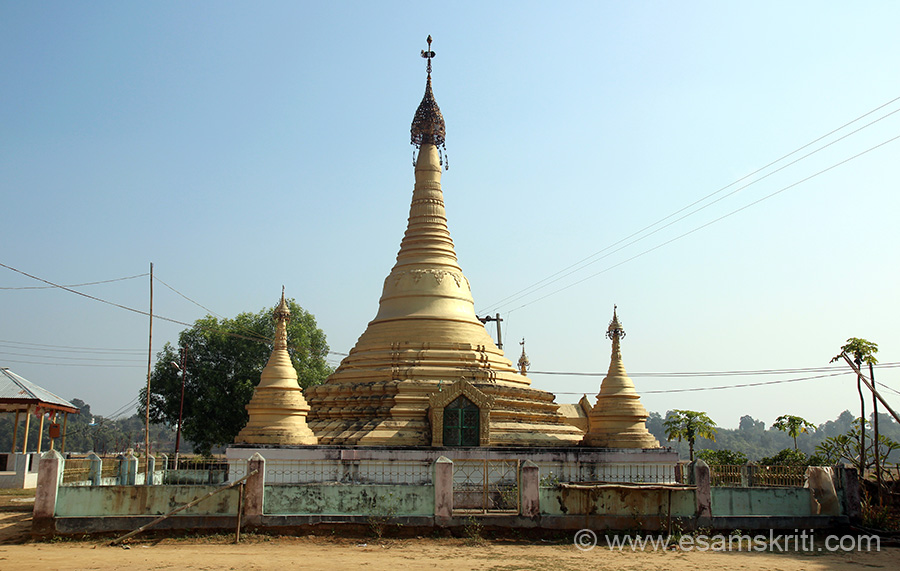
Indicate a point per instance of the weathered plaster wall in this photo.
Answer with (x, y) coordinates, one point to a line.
(349, 499)
(142, 500)
(617, 501)
(761, 501)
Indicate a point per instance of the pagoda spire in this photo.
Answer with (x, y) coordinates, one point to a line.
(618, 419)
(278, 410)
(426, 336)
(523, 363)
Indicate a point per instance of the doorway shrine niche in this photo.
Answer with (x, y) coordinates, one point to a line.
(460, 416)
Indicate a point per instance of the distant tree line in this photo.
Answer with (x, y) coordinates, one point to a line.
(756, 441)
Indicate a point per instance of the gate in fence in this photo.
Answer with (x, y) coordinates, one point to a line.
(486, 486)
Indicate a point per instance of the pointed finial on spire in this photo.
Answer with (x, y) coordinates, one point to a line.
(428, 123)
(524, 363)
(615, 331)
(282, 316)
(428, 55)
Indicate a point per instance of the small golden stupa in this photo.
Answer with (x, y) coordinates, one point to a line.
(618, 419)
(425, 372)
(278, 410)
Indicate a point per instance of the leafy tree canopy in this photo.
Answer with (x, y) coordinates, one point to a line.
(722, 457)
(861, 350)
(792, 457)
(224, 361)
(689, 424)
(846, 448)
(793, 425)
(750, 424)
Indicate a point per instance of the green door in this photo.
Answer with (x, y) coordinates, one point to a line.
(461, 423)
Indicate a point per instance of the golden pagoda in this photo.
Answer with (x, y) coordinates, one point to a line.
(278, 410)
(425, 372)
(618, 419)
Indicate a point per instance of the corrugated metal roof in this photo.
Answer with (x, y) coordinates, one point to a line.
(14, 388)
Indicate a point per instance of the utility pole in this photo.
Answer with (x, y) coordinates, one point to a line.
(149, 370)
(498, 320)
(183, 369)
(875, 423)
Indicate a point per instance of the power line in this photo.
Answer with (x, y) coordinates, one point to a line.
(534, 287)
(156, 278)
(131, 309)
(67, 357)
(711, 222)
(67, 348)
(76, 292)
(67, 364)
(723, 387)
(743, 385)
(715, 373)
(78, 285)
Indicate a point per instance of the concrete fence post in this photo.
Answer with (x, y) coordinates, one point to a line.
(95, 472)
(162, 465)
(128, 467)
(50, 474)
(531, 501)
(852, 496)
(151, 470)
(703, 493)
(254, 491)
(443, 491)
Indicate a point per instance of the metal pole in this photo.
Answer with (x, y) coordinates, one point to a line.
(237, 532)
(875, 427)
(41, 435)
(27, 429)
(862, 428)
(16, 433)
(65, 423)
(149, 370)
(181, 407)
(499, 338)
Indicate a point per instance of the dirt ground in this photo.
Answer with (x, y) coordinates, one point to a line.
(316, 552)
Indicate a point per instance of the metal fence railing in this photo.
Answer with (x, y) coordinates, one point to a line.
(349, 472)
(725, 475)
(751, 475)
(200, 470)
(782, 476)
(76, 471)
(554, 473)
(109, 467)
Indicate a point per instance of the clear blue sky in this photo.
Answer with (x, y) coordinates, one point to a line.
(241, 146)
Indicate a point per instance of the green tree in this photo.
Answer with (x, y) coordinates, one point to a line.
(722, 457)
(845, 448)
(792, 457)
(688, 425)
(862, 351)
(224, 361)
(793, 425)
